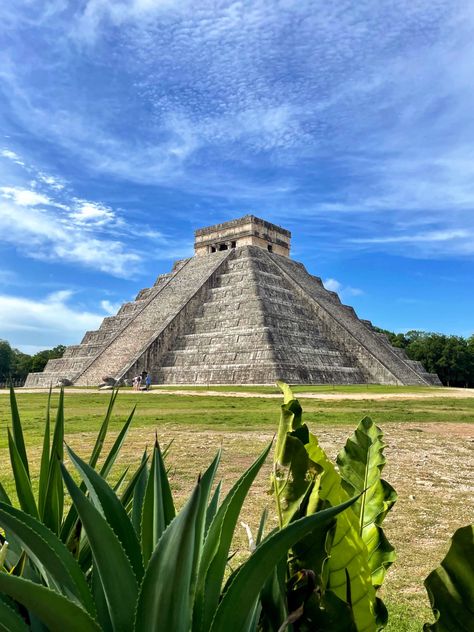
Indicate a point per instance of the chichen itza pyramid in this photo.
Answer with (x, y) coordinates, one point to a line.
(240, 311)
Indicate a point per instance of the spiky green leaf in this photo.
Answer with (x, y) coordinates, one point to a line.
(45, 457)
(99, 442)
(113, 566)
(158, 507)
(106, 501)
(116, 447)
(216, 547)
(10, 620)
(167, 593)
(57, 566)
(54, 494)
(18, 432)
(138, 494)
(54, 610)
(22, 480)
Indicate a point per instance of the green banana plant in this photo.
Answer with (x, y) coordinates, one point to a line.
(166, 575)
(450, 587)
(334, 573)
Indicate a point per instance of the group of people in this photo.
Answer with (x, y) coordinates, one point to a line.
(142, 382)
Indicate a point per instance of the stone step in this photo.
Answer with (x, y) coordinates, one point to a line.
(86, 350)
(256, 374)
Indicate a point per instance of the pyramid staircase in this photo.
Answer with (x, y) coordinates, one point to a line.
(240, 316)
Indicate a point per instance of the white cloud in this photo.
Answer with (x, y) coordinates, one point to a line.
(332, 285)
(92, 213)
(11, 155)
(47, 234)
(343, 291)
(109, 307)
(24, 197)
(50, 316)
(55, 183)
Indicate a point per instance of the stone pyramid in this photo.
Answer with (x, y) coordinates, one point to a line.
(239, 312)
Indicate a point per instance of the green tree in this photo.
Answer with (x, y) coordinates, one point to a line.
(6, 359)
(39, 360)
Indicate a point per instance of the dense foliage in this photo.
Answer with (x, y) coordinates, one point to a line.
(15, 365)
(451, 357)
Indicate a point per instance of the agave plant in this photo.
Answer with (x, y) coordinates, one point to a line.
(47, 505)
(333, 575)
(150, 568)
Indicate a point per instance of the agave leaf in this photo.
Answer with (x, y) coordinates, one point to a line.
(105, 500)
(111, 562)
(127, 495)
(59, 569)
(18, 432)
(139, 494)
(116, 447)
(230, 615)
(261, 526)
(213, 504)
(99, 442)
(70, 529)
(451, 586)
(100, 601)
(216, 547)
(360, 463)
(4, 497)
(22, 480)
(44, 467)
(54, 494)
(51, 608)
(168, 604)
(120, 480)
(10, 620)
(158, 507)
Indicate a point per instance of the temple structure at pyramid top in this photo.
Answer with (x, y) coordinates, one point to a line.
(246, 231)
(240, 311)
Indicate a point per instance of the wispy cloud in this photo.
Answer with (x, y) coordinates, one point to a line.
(47, 321)
(48, 233)
(48, 222)
(51, 313)
(343, 291)
(306, 110)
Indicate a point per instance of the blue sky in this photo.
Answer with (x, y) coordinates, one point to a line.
(126, 124)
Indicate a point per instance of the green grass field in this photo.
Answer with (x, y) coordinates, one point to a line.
(428, 457)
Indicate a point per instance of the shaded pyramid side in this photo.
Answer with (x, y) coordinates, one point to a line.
(370, 350)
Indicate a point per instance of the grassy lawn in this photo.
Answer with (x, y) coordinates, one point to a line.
(428, 459)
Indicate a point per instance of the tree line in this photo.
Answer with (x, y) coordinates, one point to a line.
(15, 365)
(451, 357)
